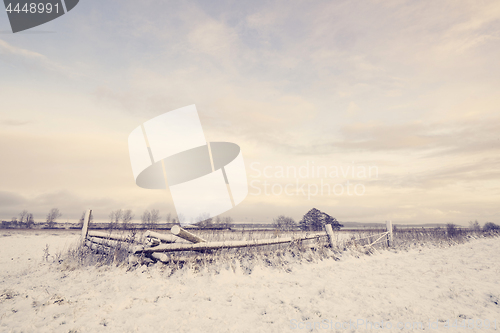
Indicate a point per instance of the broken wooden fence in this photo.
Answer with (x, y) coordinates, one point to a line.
(381, 237)
(155, 244)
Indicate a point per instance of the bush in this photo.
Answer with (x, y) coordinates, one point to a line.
(316, 220)
(451, 230)
(490, 226)
(284, 223)
(475, 226)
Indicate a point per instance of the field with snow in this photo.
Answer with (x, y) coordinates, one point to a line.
(436, 288)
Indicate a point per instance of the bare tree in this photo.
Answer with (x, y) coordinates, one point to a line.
(171, 219)
(155, 218)
(475, 226)
(52, 216)
(25, 219)
(114, 218)
(126, 218)
(118, 216)
(284, 223)
(22, 216)
(30, 222)
(151, 218)
(146, 219)
(204, 220)
(227, 221)
(223, 222)
(111, 219)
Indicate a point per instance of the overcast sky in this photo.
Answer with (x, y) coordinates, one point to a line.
(408, 89)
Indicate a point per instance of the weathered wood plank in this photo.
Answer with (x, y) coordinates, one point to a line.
(221, 245)
(179, 232)
(107, 242)
(107, 235)
(163, 237)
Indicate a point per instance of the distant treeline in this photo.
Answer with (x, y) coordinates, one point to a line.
(139, 226)
(227, 226)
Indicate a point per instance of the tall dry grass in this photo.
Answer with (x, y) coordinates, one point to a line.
(279, 256)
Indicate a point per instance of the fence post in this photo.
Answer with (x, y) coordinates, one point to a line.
(329, 232)
(389, 235)
(85, 227)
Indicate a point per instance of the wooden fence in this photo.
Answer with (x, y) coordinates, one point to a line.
(155, 244)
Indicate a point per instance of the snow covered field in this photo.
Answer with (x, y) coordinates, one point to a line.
(402, 291)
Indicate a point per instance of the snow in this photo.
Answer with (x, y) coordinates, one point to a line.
(394, 287)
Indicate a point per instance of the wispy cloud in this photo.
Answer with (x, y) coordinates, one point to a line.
(33, 60)
(14, 122)
(429, 139)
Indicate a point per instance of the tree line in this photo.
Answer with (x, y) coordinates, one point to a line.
(27, 221)
(314, 220)
(118, 219)
(122, 219)
(149, 219)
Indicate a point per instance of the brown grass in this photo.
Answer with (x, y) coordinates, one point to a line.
(280, 256)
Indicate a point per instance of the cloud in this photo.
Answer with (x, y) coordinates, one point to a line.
(33, 60)
(8, 49)
(13, 122)
(8, 199)
(483, 169)
(212, 38)
(431, 138)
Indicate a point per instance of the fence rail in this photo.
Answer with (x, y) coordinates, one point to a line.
(155, 244)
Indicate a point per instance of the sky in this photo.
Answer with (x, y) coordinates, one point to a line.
(367, 110)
